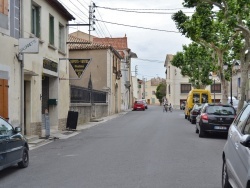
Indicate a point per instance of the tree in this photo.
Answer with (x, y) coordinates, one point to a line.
(206, 28)
(160, 91)
(234, 17)
(196, 62)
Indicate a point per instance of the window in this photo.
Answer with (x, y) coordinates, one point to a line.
(238, 82)
(14, 15)
(215, 88)
(51, 30)
(35, 21)
(61, 38)
(5, 128)
(241, 118)
(185, 88)
(169, 89)
(153, 92)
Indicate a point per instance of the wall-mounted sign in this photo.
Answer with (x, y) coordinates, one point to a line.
(79, 65)
(28, 45)
(50, 65)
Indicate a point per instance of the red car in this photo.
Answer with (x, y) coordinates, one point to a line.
(139, 105)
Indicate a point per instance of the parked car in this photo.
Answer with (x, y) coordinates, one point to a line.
(214, 118)
(139, 104)
(145, 103)
(236, 152)
(14, 147)
(195, 112)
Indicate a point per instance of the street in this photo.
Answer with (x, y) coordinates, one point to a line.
(141, 149)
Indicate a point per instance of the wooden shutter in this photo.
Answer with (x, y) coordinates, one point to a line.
(4, 99)
(6, 7)
(1, 6)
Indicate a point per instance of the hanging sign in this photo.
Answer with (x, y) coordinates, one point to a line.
(79, 65)
(28, 45)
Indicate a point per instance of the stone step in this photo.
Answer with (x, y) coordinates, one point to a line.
(32, 138)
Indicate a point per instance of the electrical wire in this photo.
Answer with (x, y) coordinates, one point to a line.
(79, 9)
(144, 9)
(104, 23)
(138, 26)
(72, 12)
(83, 5)
(150, 60)
(134, 11)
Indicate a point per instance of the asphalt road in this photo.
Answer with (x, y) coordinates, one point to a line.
(141, 149)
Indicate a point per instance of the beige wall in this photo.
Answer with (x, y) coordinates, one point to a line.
(150, 97)
(10, 70)
(97, 68)
(102, 76)
(59, 89)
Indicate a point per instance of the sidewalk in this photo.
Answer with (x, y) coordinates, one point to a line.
(35, 142)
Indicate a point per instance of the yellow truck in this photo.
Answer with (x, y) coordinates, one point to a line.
(196, 96)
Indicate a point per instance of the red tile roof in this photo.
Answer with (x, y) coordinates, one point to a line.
(117, 43)
(76, 43)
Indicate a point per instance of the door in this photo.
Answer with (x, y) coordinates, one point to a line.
(45, 94)
(13, 145)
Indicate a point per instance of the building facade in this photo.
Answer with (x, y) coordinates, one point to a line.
(104, 69)
(34, 88)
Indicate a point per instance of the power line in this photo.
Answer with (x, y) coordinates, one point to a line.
(138, 27)
(104, 23)
(79, 9)
(71, 11)
(134, 11)
(144, 9)
(83, 5)
(150, 60)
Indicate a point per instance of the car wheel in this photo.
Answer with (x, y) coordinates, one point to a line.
(25, 158)
(225, 182)
(193, 121)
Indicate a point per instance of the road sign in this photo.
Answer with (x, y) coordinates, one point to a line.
(79, 65)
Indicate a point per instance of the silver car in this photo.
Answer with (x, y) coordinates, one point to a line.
(236, 152)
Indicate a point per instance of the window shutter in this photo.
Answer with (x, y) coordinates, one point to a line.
(6, 7)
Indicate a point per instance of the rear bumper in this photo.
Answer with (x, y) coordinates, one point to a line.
(214, 128)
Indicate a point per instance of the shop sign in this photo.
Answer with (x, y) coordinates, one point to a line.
(79, 65)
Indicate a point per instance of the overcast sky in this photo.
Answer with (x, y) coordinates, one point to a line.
(148, 44)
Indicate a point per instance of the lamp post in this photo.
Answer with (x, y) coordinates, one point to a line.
(236, 66)
(211, 77)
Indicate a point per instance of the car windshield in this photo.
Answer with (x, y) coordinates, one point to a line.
(139, 102)
(220, 110)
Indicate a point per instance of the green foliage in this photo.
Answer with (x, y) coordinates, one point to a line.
(160, 91)
(195, 62)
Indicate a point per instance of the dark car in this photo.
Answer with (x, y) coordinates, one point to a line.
(195, 112)
(214, 118)
(236, 152)
(139, 105)
(13, 146)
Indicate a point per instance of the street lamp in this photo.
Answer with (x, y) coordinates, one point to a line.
(236, 66)
(211, 77)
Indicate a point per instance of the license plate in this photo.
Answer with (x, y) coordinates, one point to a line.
(138, 107)
(220, 128)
